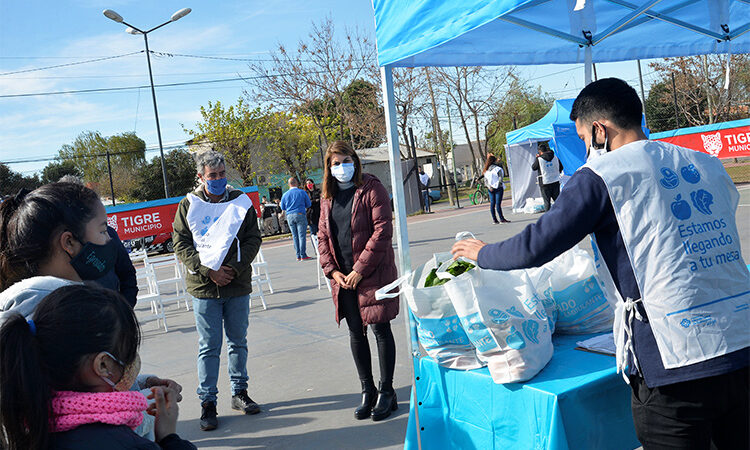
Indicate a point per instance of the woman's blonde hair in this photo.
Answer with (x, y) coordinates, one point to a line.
(329, 181)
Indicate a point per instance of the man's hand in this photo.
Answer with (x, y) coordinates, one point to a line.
(221, 277)
(353, 279)
(340, 279)
(468, 248)
(155, 381)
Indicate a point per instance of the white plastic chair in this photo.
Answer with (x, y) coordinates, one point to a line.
(321, 274)
(177, 278)
(257, 292)
(260, 270)
(152, 295)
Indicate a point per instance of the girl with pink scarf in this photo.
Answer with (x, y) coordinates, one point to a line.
(65, 375)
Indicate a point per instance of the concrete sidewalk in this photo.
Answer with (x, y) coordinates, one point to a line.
(300, 366)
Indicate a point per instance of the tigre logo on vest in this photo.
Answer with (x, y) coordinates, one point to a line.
(112, 222)
(712, 143)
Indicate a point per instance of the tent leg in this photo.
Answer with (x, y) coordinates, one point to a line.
(402, 235)
(588, 66)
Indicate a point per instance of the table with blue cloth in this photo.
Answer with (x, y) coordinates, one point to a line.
(577, 401)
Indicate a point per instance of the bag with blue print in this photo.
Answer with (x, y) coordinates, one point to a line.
(579, 294)
(438, 327)
(505, 320)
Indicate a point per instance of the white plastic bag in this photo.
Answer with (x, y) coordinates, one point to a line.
(539, 277)
(505, 321)
(438, 327)
(581, 302)
(533, 205)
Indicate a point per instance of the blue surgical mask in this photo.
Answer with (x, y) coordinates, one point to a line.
(216, 187)
(343, 172)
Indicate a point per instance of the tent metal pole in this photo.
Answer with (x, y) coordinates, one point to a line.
(402, 235)
(643, 95)
(397, 178)
(588, 65)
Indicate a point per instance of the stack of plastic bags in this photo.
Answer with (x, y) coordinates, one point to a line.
(502, 319)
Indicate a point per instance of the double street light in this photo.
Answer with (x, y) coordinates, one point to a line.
(108, 13)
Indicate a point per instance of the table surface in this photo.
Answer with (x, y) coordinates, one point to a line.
(577, 401)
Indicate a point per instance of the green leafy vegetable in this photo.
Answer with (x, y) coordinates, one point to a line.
(455, 269)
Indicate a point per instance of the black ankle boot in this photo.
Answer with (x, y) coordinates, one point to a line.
(386, 402)
(369, 395)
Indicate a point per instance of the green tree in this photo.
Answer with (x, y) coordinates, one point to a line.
(363, 114)
(702, 95)
(233, 132)
(521, 106)
(181, 175)
(256, 140)
(57, 169)
(11, 181)
(89, 149)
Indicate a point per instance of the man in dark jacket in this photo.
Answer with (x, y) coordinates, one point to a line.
(217, 246)
(549, 169)
(122, 277)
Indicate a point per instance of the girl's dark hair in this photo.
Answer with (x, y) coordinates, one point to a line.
(72, 323)
(491, 159)
(329, 181)
(29, 224)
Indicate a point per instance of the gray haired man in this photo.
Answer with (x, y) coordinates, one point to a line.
(216, 236)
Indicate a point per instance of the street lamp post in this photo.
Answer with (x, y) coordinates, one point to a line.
(108, 13)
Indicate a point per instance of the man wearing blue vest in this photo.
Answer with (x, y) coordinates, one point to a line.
(295, 202)
(663, 218)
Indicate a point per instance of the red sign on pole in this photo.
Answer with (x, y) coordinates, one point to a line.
(152, 220)
(727, 143)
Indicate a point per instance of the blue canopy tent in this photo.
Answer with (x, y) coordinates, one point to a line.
(517, 32)
(521, 148)
(559, 131)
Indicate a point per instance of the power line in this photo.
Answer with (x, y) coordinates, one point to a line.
(71, 64)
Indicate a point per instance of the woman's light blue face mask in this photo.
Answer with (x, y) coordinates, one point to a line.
(343, 172)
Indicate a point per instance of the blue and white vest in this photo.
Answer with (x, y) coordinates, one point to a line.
(676, 208)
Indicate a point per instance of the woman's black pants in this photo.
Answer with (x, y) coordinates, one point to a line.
(349, 309)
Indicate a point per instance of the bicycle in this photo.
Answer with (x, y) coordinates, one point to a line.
(480, 195)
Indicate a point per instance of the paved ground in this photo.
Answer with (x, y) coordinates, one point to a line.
(301, 369)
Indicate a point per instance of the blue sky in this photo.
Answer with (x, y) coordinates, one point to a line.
(38, 34)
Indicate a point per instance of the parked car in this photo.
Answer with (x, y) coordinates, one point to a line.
(160, 243)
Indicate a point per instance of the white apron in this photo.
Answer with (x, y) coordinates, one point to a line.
(493, 178)
(550, 170)
(214, 227)
(676, 212)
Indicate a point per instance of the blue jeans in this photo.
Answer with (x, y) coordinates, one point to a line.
(427, 200)
(211, 316)
(496, 197)
(298, 228)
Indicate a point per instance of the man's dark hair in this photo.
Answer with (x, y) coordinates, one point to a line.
(608, 98)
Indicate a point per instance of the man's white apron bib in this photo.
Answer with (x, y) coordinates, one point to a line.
(550, 170)
(676, 212)
(214, 227)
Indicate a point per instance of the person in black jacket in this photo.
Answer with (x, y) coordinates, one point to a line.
(122, 277)
(69, 368)
(549, 173)
(313, 213)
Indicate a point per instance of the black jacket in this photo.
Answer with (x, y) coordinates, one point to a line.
(122, 277)
(313, 212)
(98, 436)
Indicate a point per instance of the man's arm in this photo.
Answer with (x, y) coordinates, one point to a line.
(577, 212)
(250, 240)
(182, 238)
(535, 165)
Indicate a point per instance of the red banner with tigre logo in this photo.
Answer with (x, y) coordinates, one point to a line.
(141, 221)
(728, 143)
